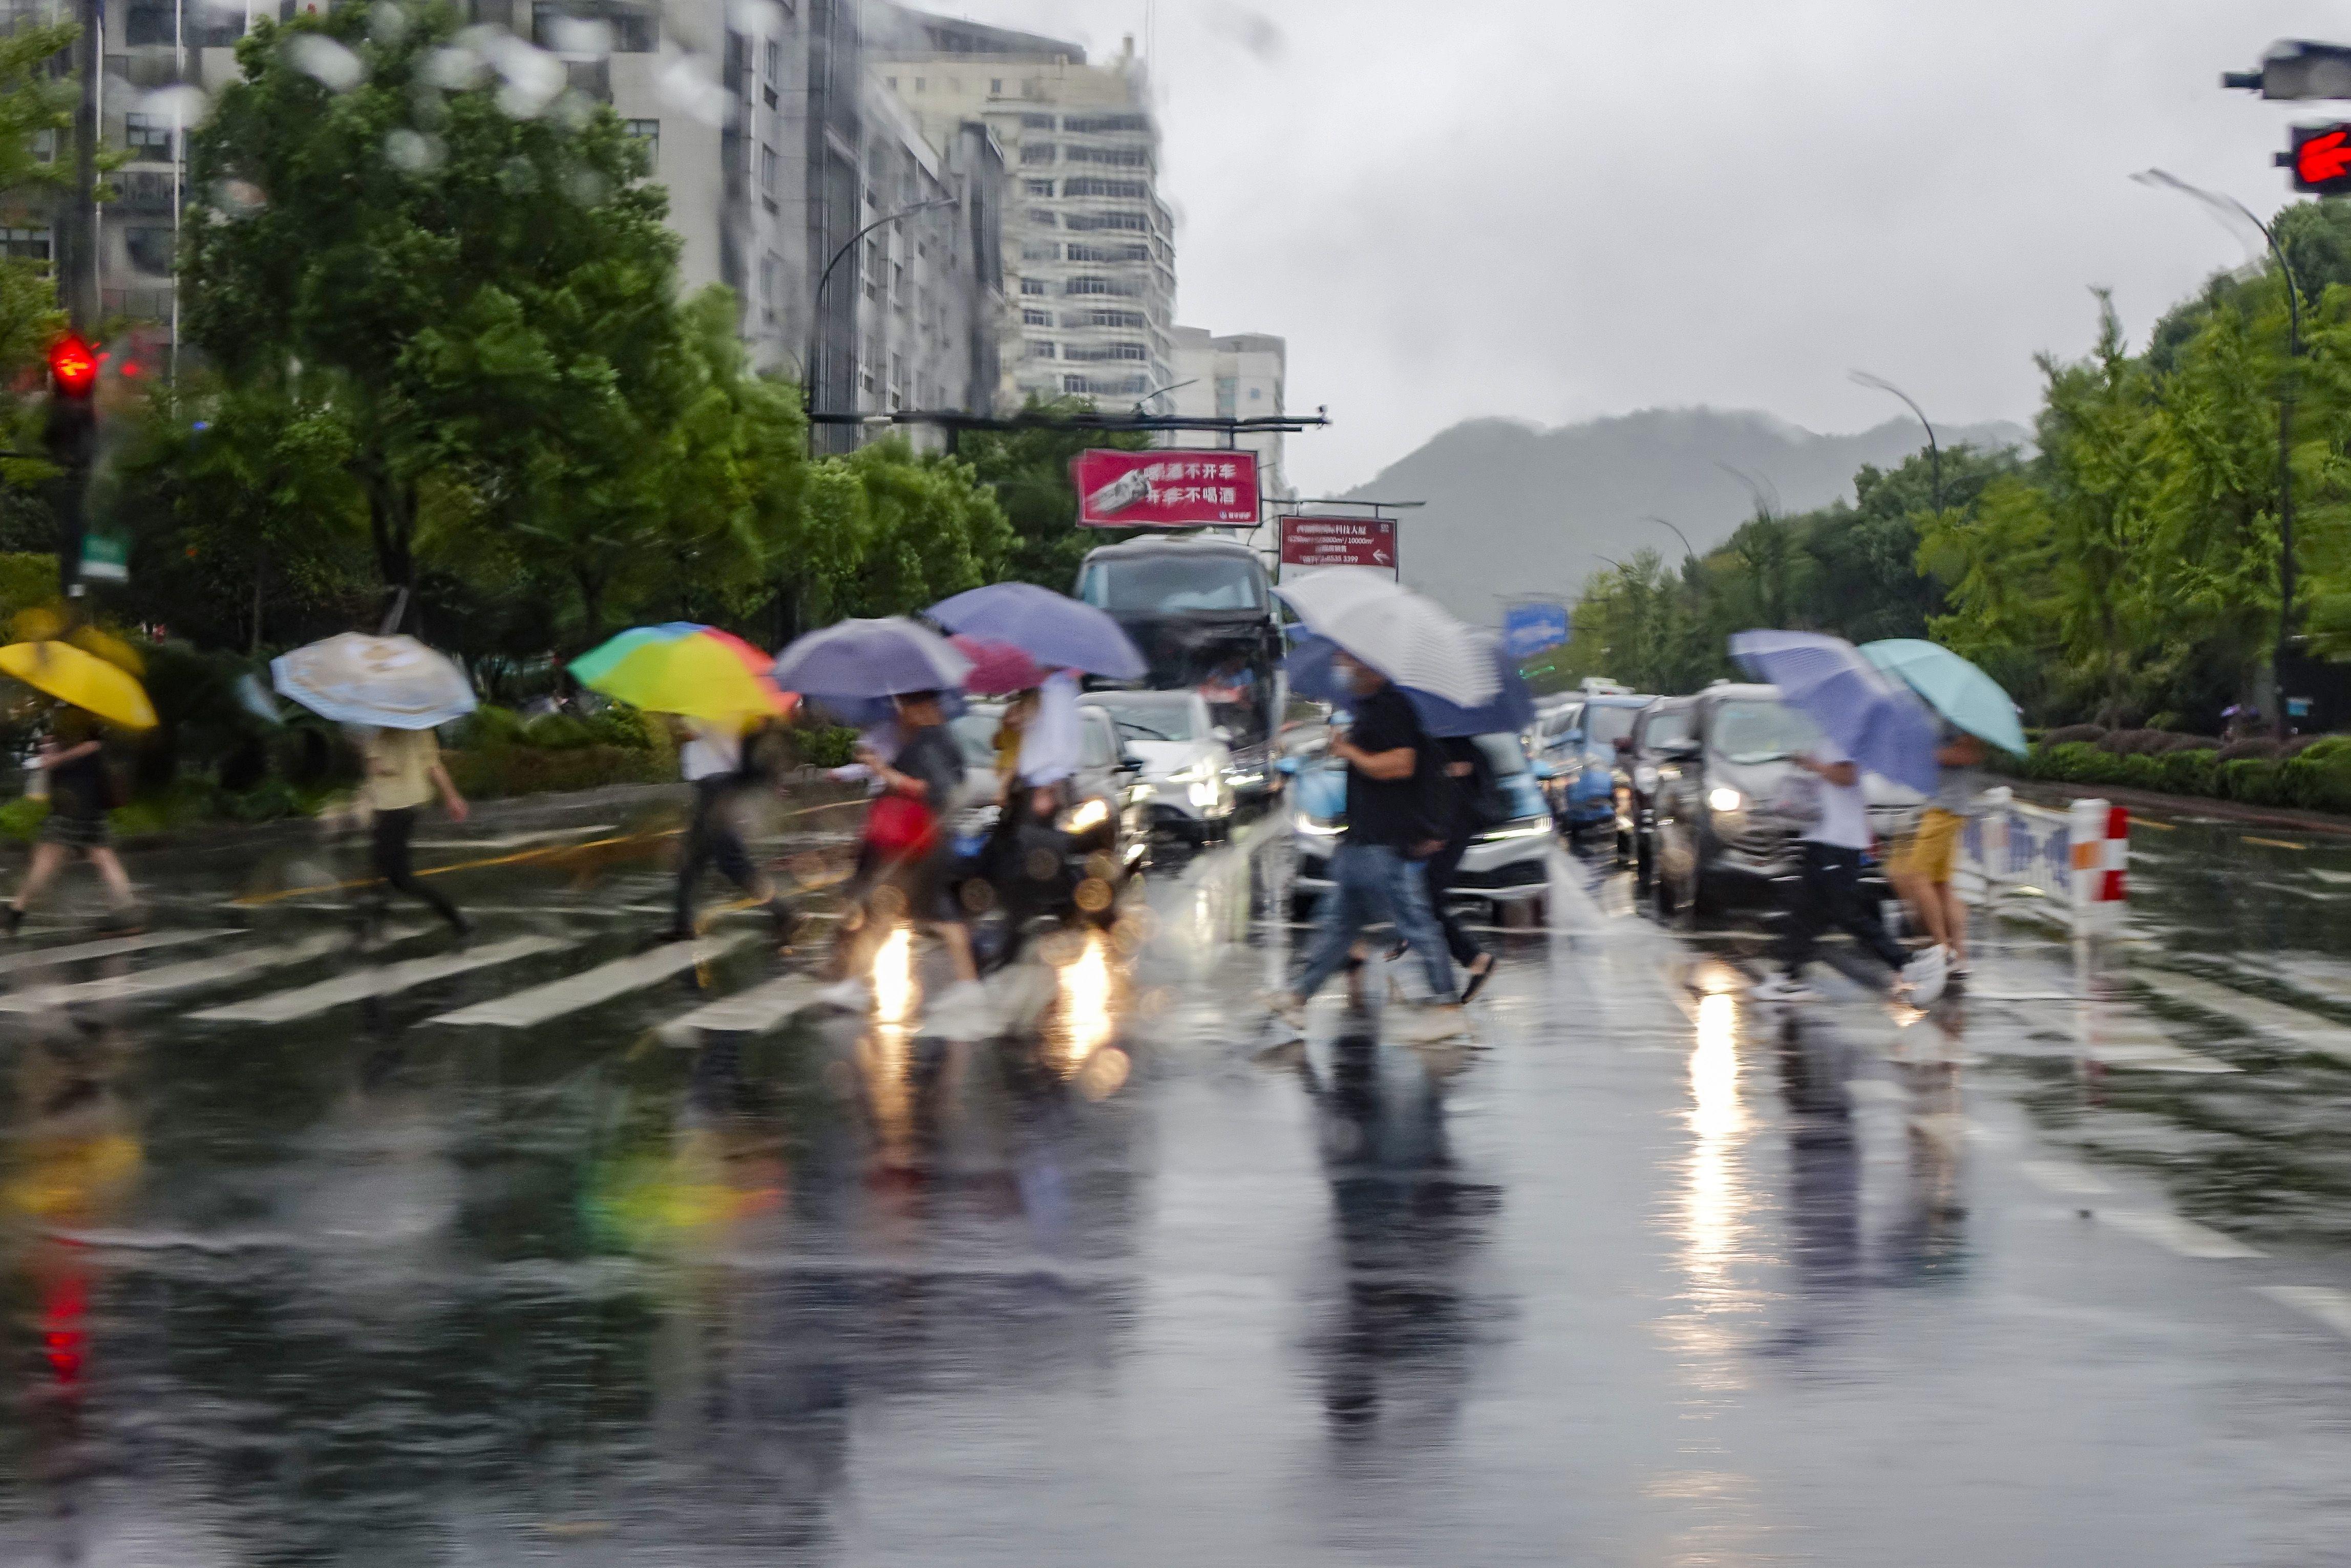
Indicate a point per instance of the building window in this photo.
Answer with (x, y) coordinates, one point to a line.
(1118, 157)
(1042, 217)
(1040, 349)
(1048, 251)
(634, 32)
(150, 249)
(1036, 318)
(894, 83)
(1039, 188)
(771, 268)
(770, 169)
(772, 58)
(1038, 152)
(1032, 286)
(1225, 386)
(1097, 124)
(1036, 122)
(647, 131)
(921, 85)
(1133, 223)
(872, 268)
(1110, 253)
(147, 134)
(1131, 190)
(1131, 320)
(898, 284)
(996, 86)
(1256, 394)
(24, 245)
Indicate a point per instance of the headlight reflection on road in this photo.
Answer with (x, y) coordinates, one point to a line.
(1715, 1200)
(1089, 990)
(894, 978)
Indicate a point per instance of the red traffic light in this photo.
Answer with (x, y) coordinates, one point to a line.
(73, 366)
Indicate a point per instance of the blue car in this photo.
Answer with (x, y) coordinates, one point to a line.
(1578, 739)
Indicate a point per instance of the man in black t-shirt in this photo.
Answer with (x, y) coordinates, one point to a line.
(1392, 796)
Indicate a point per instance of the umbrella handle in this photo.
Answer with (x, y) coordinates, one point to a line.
(394, 616)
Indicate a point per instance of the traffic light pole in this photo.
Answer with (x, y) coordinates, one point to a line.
(77, 278)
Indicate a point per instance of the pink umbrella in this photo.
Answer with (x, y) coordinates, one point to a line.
(996, 667)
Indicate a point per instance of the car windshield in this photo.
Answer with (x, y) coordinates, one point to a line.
(1604, 725)
(1151, 718)
(975, 733)
(1167, 585)
(1752, 731)
(1503, 753)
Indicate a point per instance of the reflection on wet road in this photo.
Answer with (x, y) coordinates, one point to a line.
(301, 1265)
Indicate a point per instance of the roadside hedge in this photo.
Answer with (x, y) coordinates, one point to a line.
(2316, 777)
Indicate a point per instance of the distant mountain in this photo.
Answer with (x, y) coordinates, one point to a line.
(1515, 509)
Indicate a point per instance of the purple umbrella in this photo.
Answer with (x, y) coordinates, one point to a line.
(871, 659)
(1050, 627)
(1877, 722)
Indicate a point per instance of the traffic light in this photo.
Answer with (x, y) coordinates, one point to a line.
(70, 438)
(2320, 159)
(2297, 69)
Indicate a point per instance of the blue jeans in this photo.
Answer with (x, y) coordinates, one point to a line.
(1373, 883)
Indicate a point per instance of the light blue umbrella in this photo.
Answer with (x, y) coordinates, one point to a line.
(1874, 719)
(1050, 627)
(391, 683)
(1953, 687)
(871, 659)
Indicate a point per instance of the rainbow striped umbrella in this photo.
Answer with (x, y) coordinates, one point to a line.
(682, 667)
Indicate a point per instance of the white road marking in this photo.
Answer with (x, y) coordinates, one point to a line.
(303, 1001)
(36, 958)
(760, 1008)
(2184, 1237)
(574, 992)
(2328, 1305)
(193, 974)
(2063, 1176)
(2275, 1020)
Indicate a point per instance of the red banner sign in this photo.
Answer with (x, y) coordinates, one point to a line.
(1311, 542)
(1164, 489)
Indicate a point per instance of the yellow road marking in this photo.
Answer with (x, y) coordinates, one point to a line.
(2274, 843)
(251, 899)
(2151, 823)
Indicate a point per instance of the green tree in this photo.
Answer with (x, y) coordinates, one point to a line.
(1030, 472)
(478, 263)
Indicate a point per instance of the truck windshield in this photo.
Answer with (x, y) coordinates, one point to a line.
(1168, 585)
(1604, 726)
(1151, 717)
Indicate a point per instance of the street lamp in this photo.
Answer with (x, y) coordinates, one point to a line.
(2233, 212)
(816, 356)
(1934, 448)
(1688, 549)
(1171, 386)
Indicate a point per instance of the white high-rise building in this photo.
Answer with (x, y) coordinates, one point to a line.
(1235, 377)
(1088, 247)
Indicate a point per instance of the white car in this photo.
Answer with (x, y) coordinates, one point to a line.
(1184, 765)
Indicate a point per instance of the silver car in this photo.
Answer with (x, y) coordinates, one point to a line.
(1183, 763)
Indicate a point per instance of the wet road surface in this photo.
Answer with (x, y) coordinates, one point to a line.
(562, 1250)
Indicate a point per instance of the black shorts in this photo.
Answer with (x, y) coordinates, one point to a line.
(923, 883)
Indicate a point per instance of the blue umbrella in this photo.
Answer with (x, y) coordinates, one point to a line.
(864, 713)
(871, 659)
(1875, 721)
(1511, 707)
(1953, 687)
(1050, 627)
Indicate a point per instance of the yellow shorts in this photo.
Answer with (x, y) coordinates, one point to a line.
(1933, 852)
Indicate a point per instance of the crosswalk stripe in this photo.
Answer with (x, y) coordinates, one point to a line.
(303, 1001)
(760, 1008)
(108, 949)
(190, 975)
(585, 990)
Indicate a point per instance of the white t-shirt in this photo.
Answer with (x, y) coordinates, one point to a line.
(1844, 810)
(715, 749)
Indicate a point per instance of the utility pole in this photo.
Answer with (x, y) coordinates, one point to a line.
(78, 271)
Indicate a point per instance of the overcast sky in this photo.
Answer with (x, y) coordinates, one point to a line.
(1558, 209)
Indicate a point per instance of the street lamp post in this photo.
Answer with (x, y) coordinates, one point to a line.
(2231, 211)
(1688, 549)
(817, 362)
(1934, 447)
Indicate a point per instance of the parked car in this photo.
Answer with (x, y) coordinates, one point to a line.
(1507, 864)
(1182, 760)
(1582, 757)
(1722, 759)
(1634, 772)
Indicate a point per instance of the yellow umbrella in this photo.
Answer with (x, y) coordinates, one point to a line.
(85, 680)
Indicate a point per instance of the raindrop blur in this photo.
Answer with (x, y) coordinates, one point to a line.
(238, 198)
(456, 69)
(413, 152)
(686, 88)
(533, 76)
(387, 23)
(587, 187)
(581, 36)
(183, 105)
(334, 67)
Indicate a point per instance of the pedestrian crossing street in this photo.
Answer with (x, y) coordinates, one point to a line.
(496, 983)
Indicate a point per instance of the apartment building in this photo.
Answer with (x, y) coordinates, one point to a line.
(1088, 255)
(1234, 377)
(775, 144)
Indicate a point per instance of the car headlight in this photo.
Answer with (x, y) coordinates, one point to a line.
(1530, 830)
(1314, 830)
(1245, 780)
(1725, 799)
(1085, 816)
(1199, 772)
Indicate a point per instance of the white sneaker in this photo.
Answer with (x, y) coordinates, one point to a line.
(1923, 978)
(1283, 1010)
(961, 1013)
(1426, 1023)
(1781, 989)
(850, 996)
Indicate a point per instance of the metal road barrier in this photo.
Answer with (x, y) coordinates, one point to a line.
(2071, 864)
